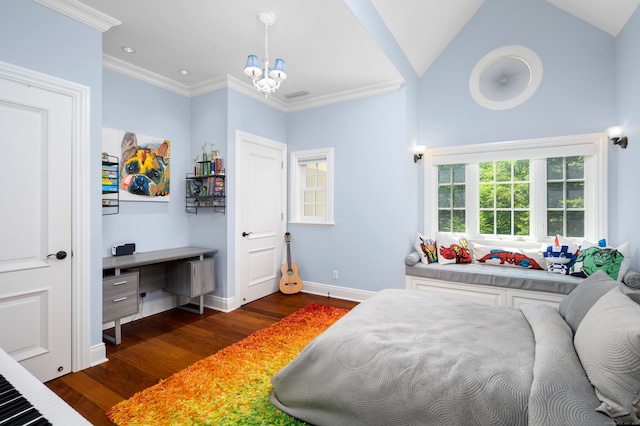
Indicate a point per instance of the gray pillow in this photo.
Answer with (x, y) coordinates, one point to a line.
(608, 345)
(632, 279)
(575, 306)
(412, 258)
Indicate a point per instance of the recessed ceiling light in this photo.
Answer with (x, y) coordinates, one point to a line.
(128, 49)
(184, 72)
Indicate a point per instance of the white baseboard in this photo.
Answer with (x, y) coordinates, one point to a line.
(219, 304)
(335, 291)
(97, 354)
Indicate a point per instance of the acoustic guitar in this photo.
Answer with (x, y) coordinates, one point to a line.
(290, 282)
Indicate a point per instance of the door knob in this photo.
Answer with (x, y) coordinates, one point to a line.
(246, 234)
(59, 255)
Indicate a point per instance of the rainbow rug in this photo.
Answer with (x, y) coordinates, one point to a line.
(231, 387)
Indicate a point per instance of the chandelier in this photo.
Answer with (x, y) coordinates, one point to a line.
(266, 80)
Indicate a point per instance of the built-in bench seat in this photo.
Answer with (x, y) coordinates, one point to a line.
(494, 284)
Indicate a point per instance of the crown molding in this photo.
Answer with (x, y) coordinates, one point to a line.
(347, 95)
(142, 74)
(82, 13)
(231, 82)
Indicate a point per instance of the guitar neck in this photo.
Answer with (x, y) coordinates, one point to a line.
(289, 257)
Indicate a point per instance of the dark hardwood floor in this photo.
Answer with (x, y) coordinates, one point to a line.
(157, 346)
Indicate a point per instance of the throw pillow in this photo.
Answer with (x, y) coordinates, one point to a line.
(412, 258)
(506, 256)
(575, 306)
(426, 249)
(608, 343)
(592, 257)
(452, 249)
(561, 255)
(632, 279)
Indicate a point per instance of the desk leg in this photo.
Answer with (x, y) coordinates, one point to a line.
(118, 334)
(187, 308)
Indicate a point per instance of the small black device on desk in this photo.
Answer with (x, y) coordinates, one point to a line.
(123, 249)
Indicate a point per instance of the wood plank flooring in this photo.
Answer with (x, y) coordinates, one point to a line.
(155, 347)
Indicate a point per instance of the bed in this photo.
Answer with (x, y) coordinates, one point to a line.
(409, 358)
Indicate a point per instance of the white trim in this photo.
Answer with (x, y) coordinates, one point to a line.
(593, 146)
(219, 303)
(345, 293)
(80, 203)
(98, 354)
(528, 56)
(82, 13)
(300, 157)
(245, 88)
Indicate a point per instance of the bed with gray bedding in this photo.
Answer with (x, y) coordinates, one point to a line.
(410, 358)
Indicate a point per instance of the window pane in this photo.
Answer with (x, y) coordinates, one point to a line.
(521, 196)
(503, 196)
(321, 210)
(575, 224)
(322, 180)
(444, 196)
(575, 195)
(459, 196)
(444, 174)
(310, 181)
(555, 221)
(503, 171)
(486, 172)
(309, 196)
(309, 210)
(311, 168)
(321, 197)
(555, 196)
(521, 223)
(322, 168)
(575, 167)
(554, 168)
(459, 221)
(444, 220)
(521, 170)
(459, 173)
(503, 222)
(486, 222)
(486, 196)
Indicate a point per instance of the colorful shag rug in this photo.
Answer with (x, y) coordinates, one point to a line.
(231, 387)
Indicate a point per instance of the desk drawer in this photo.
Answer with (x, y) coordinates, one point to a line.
(121, 306)
(115, 286)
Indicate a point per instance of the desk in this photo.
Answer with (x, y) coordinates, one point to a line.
(183, 271)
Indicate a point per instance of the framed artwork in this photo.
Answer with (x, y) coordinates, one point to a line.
(144, 164)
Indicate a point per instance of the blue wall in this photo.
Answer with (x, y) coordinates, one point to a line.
(590, 83)
(623, 175)
(577, 94)
(374, 182)
(135, 106)
(40, 39)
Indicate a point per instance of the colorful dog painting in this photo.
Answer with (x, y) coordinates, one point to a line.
(144, 165)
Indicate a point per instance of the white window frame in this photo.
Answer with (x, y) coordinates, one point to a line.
(298, 158)
(592, 146)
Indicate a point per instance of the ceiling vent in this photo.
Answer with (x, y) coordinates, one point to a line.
(296, 94)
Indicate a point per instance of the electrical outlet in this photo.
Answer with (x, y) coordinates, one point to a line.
(335, 275)
(143, 294)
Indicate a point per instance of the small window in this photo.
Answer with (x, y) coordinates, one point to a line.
(312, 187)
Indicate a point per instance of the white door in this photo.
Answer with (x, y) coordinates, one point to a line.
(260, 215)
(35, 225)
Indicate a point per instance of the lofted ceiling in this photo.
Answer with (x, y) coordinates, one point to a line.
(328, 51)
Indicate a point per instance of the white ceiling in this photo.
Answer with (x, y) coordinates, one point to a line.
(328, 51)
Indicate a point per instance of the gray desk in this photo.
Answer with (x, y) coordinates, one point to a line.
(153, 264)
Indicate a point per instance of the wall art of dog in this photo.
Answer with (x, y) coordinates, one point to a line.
(144, 165)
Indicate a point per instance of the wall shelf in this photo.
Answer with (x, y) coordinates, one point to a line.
(206, 192)
(110, 184)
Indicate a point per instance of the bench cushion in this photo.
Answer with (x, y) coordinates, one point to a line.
(524, 279)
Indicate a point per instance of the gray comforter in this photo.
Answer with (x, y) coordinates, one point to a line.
(410, 358)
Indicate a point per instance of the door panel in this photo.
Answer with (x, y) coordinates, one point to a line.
(35, 221)
(261, 197)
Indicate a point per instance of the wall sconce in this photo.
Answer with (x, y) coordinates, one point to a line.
(418, 152)
(615, 134)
